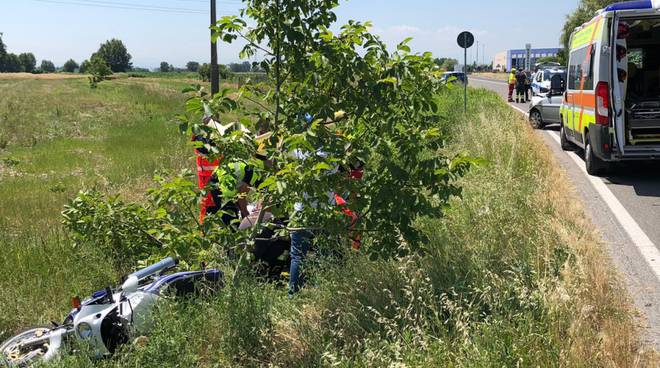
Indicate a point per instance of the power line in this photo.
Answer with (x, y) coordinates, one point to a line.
(220, 2)
(127, 7)
(116, 3)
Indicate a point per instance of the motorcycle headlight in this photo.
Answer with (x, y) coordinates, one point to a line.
(84, 330)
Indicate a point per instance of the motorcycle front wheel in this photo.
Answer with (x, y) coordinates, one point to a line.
(13, 354)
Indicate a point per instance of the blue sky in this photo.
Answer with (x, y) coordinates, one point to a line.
(57, 31)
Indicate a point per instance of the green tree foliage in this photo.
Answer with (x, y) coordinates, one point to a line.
(447, 64)
(548, 59)
(70, 66)
(349, 97)
(165, 67)
(28, 62)
(83, 67)
(47, 66)
(192, 66)
(3, 55)
(244, 67)
(13, 64)
(98, 69)
(585, 11)
(205, 72)
(116, 55)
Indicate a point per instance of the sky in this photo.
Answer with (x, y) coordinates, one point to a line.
(58, 30)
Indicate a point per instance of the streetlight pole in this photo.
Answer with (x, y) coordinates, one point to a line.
(215, 76)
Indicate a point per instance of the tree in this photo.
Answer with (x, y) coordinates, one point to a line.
(243, 67)
(13, 63)
(83, 67)
(28, 62)
(446, 64)
(205, 72)
(70, 66)
(98, 69)
(582, 14)
(344, 95)
(548, 59)
(47, 66)
(192, 66)
(165, 67)
(115, 55)
(3, 55)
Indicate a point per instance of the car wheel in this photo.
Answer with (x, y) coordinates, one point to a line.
(566, 145)
(536, 119)
(595, 166)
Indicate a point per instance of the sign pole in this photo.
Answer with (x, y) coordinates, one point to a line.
(465, 74)
(465, 40)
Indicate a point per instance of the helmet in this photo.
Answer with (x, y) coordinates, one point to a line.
(513, 70)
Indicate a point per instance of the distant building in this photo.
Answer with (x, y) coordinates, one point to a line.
(506, 60)
(499, 61)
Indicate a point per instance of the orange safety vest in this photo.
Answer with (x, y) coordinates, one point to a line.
(205, 170)
(356, 238)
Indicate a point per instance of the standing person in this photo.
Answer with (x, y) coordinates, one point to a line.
(528, 84)
(520, 87)
(512, 83)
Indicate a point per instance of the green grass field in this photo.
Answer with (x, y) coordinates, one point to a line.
(495, 290)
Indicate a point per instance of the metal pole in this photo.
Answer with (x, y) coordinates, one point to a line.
(476, 61)
(465, 73)
(215, 76)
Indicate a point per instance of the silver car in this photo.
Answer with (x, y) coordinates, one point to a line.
(544, 108)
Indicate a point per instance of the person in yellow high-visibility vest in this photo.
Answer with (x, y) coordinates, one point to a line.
(512, 83)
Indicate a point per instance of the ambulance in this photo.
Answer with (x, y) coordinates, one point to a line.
(611, 107)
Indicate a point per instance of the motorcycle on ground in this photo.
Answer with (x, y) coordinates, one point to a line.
(110, 317)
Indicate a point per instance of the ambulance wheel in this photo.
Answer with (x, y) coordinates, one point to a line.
(536, 119)
(565, 144)
(595, 166)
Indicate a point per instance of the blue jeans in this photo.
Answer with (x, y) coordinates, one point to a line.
(300, 243)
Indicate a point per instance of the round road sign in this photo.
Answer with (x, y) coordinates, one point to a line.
(465, 40)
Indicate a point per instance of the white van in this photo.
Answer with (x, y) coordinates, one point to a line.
(611, 106)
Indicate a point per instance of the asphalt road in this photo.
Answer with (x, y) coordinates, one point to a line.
(636, 187)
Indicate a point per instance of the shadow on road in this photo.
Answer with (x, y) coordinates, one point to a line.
(644, 177)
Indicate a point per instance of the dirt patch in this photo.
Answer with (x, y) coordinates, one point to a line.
(50, 76)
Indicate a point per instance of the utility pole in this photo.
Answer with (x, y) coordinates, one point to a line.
(476, 61)
(215, 76)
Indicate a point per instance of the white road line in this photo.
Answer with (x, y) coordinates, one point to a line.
(520, 110)
(646, 248)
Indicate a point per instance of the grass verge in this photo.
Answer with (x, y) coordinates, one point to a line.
(513, 276)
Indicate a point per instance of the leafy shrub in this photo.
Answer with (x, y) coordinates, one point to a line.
(166, 225)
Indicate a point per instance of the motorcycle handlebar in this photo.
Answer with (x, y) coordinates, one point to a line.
(166, 263)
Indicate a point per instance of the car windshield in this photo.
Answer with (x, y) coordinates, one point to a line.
(548, 74)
